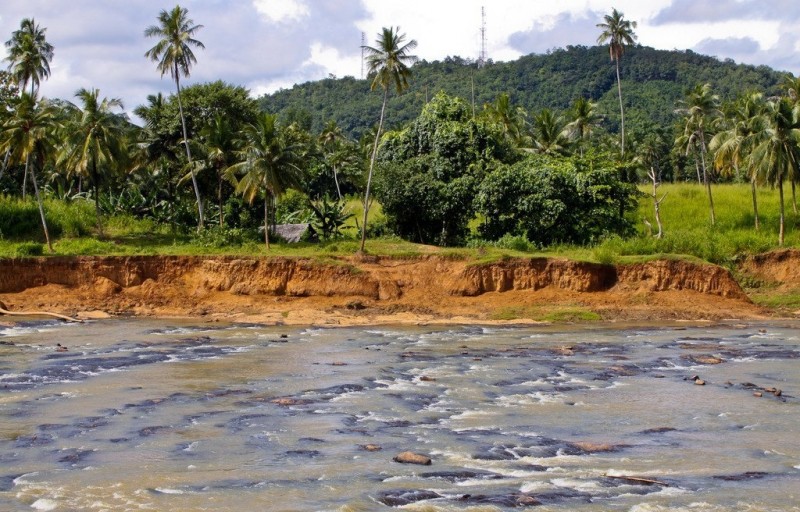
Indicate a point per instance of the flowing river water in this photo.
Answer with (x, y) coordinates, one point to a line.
(154, 415)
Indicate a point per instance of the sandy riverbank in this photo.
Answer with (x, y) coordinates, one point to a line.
(380, 290)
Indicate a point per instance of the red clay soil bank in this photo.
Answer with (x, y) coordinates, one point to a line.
(370, 289)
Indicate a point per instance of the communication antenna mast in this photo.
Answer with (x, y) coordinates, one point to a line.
(482, 57)
(363, 44)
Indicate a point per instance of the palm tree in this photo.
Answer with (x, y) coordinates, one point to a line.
(549, 135)
(734, 143)
(219, 144)
(777, 156)
(267, 165)
(584, 119)
(29, 55)
(388, 63)
(95, 143)
(791, 88)
(29, 135)
(618, 33)
(331, 139)
(700, 109)
(174, 55)
(510, 119)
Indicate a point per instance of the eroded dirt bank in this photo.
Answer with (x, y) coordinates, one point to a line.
(372, 289)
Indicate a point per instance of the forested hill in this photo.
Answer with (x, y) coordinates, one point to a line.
(653, 81)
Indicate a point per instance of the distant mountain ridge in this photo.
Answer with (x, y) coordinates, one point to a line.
(653, 81)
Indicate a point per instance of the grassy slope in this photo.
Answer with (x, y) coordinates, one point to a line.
(685, 216)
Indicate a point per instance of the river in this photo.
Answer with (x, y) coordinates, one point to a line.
(141, 414)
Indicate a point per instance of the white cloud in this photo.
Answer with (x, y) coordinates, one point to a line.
(282, 10)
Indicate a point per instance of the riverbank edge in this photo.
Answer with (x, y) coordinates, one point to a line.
(373, 290)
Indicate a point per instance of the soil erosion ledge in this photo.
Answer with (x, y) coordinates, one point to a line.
(372, 289)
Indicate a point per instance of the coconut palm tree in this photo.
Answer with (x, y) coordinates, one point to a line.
(738, 136)
(29, 54)
(791, 88)
(268, 165)
(777, 156)
(548, 133)
(331, 139)
(95, 140)
(584, 120)
(173, 52)
(618, 33)
(219, 143)
(699, 109)
(29, 135)
(510, 119)
(388, 63)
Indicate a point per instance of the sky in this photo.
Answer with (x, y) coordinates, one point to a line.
(266, 45)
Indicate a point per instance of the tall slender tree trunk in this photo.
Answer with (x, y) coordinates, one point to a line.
(39, 202)
(189, 152)
(621, 110)
(336, 180)
(96, 184)
(266, 219)
(5, 163)
(219, 197)
(25, 182)
(780, 229)
(706, 181)
(794, 197)
(755, 204)
(697, 169)
(371, 168)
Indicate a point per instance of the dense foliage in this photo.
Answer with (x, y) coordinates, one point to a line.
(551, 200)
(519, 154)
(653, 81)
(430, 171)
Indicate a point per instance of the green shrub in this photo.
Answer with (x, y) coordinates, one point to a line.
(515, 243)
(27, 249)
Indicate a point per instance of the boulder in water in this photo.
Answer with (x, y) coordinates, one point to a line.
(412, 458)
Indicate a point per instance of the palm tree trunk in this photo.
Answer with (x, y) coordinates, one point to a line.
(39, 201)
(621, 110)
(266, 219)
(219, 197)
(780, 229)
(794, 198)
(706, 180)
(755, 203)
(96, 184)
(336, 180)
(188, 151)
(371, 167)
(25, 182)
(5, 163)
(697, 169)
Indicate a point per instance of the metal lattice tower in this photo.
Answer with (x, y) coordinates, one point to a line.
(363, 44)
(482, 57)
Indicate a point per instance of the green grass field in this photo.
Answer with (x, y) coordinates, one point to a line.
(688, 232)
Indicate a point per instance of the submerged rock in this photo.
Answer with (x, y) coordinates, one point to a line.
(412, 458)
(401, 497)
